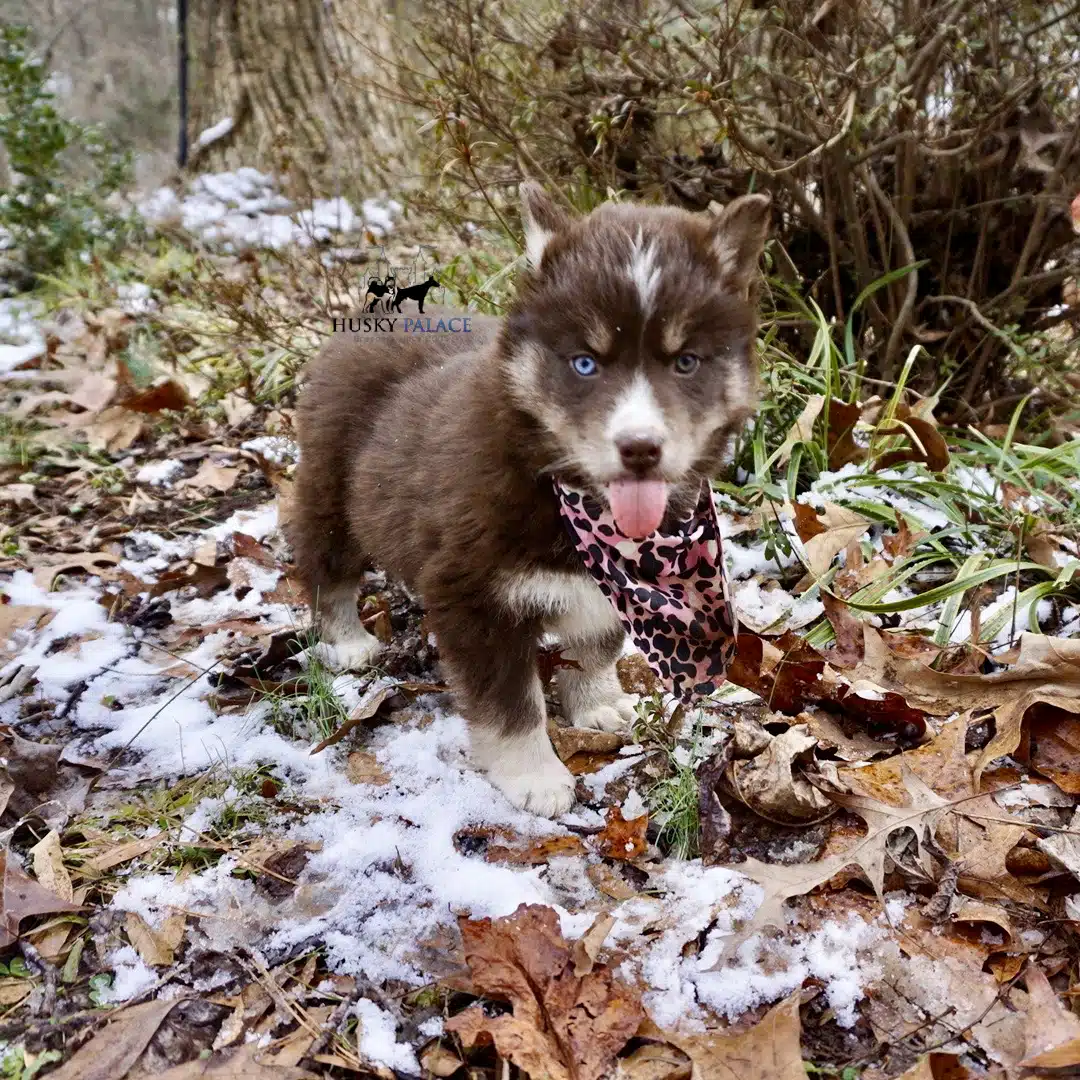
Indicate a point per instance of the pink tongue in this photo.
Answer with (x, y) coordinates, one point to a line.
(638, 506)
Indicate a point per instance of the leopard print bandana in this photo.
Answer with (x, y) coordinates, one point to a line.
(669, 589)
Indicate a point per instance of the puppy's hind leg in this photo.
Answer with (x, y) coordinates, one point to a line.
(345, 644)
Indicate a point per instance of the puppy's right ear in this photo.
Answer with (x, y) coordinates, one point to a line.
(542, 220)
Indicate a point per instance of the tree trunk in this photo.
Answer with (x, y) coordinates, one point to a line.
(300, 81)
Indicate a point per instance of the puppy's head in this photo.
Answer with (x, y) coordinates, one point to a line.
(631, 344)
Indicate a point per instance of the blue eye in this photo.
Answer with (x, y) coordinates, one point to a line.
(585, 365)
(687, 364)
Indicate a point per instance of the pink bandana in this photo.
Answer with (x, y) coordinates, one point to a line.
(668, 589)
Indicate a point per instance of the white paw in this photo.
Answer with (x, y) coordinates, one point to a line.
(546, 790)
(601, 718)
(352, 654)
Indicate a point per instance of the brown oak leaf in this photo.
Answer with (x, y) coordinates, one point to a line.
(768, 1051)
(562, 1026)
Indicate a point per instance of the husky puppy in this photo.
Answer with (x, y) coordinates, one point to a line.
(623, 367)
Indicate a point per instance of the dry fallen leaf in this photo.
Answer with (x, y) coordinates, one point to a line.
(1047, 671)
(366, 708)
(835, 527)
(246, 1062)
(363, 768)
(621, 839)
(927, 446)
(587, 947)
(768, 1051)
(117, 1046)
(218, 477)
(166, 394)
(843, 448)
(802, 431)
(19, 617)
(1052, 1032)
(562, 1027)
(297, 1045)
(114, 429)
(17, 494)
(537, 853)
(148, 943)
(22, 897)
(121, 853)
(868, 852)
(49, 568)
(440, 1062)
(571, 741)
(772, 786)
(654, 1061)
(934, 998)
(48, 862)
(936, 1067)
(12, 991)
(1055, 746)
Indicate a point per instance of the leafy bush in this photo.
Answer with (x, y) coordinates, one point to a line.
(62, 173)
(940, 136)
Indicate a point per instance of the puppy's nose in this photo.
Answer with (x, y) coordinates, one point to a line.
(640, 453)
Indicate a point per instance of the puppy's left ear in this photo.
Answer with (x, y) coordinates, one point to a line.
(542, 220)
(738, 238)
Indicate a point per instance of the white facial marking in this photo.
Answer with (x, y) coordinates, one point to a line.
(644, 271)
(637, 413)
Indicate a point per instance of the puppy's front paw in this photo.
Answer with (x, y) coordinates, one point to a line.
(618, 715)
(350, 654)
(547, 789)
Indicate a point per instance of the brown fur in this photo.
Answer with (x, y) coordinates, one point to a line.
(431, 455)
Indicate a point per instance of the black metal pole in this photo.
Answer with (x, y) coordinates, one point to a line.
(182, 80)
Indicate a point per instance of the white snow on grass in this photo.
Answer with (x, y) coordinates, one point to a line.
(385, 879)
(131, 976)
(243, 209)
(135, 298)
(276, 448)
(159, 473)
(21, 339)
(378, 1040)
(841, 955)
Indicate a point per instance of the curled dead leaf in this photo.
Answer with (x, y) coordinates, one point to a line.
(166, 394)
(561, 1026)
(767, 1051)
(1051, 1032)
(927, 446)
(835, 528)
(210, 476)
(374, 696)
(587, 947)
(364, 768)
(117, 1046)
(621, 839)
(772, 785)
(570, 741)
(842, 418)
(537, 853)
